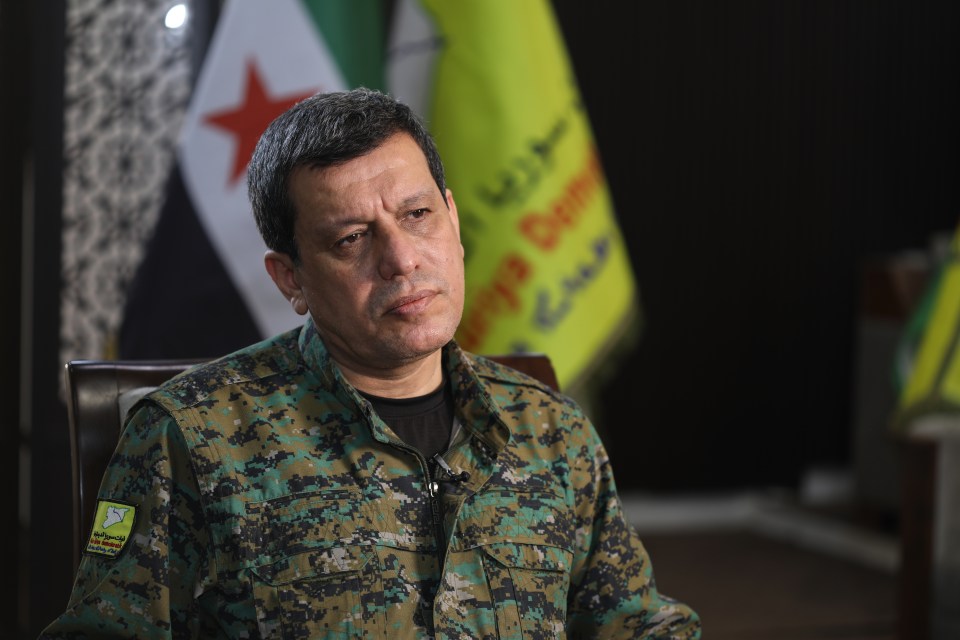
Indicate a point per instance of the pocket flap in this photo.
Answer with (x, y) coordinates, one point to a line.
(500, 514)
(530, 556)
(317, 563)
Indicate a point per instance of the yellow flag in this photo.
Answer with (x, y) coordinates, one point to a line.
(933, 385)
(546, 265)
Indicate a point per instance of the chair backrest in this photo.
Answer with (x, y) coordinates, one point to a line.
(97, 396)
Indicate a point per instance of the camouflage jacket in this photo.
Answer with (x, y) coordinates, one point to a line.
(269, 500)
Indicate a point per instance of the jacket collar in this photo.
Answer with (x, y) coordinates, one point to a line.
(476, 408)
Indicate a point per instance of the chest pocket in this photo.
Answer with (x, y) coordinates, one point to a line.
(523, 539)
(321, 576)
(529, 584)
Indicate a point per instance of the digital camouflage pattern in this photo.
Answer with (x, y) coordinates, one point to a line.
(274, 503)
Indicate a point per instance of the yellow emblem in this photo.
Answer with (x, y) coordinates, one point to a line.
(112, 526)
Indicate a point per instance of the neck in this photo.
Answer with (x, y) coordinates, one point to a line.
(407, 381)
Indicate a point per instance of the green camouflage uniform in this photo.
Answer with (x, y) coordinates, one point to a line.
(271, 501)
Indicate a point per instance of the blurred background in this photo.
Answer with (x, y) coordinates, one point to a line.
(784, 175)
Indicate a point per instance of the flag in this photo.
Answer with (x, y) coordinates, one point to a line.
(546, 265)
(932, 385)
(202, 290)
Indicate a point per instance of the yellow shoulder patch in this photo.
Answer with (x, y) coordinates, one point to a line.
(112, 526)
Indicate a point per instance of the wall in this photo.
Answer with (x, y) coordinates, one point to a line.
(758, 153)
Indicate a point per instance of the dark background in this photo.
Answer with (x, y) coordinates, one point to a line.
(757, 153)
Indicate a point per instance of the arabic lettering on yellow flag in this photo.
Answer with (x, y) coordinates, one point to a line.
(933, 386)
(547, 267)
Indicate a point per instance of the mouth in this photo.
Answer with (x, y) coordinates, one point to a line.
(412, 304)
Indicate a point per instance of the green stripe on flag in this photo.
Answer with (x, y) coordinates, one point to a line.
(354, 31)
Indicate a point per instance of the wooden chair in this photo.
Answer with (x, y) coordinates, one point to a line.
(96, 389)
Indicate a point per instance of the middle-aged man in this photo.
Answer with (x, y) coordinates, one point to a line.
(362, 476)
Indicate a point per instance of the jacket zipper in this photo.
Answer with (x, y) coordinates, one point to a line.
(433, 486)
(433, 489)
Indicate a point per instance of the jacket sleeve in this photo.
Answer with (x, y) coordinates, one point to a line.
(613, 591)
(147, 590)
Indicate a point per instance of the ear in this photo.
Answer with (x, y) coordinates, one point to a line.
(284, 274)
(454, 216)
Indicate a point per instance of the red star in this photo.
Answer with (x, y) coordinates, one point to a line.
(248, 120)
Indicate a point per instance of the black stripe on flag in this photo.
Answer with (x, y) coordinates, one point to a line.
(181, 303)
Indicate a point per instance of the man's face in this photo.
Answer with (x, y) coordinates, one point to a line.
(381, 267)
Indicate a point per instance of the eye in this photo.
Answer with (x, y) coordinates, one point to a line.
(350, 239)
(417, 214)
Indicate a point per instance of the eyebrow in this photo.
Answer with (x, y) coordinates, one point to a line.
(416, 198)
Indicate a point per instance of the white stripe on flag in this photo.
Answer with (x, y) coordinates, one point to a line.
(279, 39)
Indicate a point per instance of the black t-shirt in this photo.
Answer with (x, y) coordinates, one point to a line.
(423, 422)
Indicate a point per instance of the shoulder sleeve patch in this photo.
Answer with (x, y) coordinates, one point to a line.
(112, 526)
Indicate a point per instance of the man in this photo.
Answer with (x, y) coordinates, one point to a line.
(362, 476)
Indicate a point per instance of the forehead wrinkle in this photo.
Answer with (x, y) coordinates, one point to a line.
(337, 208)
(348, 194)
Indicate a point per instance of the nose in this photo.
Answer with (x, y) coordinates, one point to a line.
(398, 253)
